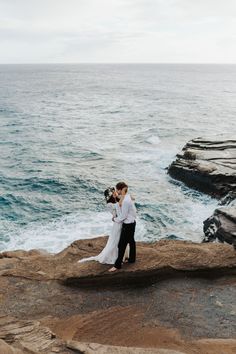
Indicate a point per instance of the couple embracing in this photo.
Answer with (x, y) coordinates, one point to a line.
(123, 210)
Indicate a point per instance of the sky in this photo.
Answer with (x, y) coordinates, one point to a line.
(113, 31)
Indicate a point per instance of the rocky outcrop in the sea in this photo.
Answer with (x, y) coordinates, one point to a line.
(222, 226)
(166, 303)
(209, 166)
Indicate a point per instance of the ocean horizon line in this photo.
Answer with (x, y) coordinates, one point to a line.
(118, 63)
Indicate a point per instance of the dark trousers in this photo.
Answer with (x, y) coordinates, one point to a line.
(126, 237)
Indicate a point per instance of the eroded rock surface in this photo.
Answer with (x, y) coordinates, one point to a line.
(92, 348)
(183, 300)
(7, 349)
(209, 166)
(153, 260)
(28, 337)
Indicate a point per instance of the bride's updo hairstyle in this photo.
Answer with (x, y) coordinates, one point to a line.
(108, 193)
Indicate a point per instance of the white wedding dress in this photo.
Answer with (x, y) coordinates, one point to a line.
(109, 253)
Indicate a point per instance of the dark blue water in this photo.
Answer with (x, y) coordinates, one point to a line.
(69, 131)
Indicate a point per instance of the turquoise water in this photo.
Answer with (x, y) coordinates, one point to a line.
(69, 131)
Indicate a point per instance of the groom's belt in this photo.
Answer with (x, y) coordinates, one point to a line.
(130, 223)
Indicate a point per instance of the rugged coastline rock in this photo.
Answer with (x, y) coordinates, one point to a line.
(178, 298)
(160, 259)
(221, 226)
(209, 166)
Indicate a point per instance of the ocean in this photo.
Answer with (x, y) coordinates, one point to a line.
(69, 131)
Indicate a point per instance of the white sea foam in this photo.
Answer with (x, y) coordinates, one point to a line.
(128, 125)
(153, 139)
(54, 236)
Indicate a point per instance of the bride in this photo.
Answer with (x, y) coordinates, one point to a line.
(110, 252)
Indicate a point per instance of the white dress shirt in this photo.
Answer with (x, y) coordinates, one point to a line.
(128, 211)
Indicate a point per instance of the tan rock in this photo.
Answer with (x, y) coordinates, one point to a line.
(157, 259)
(30, 336)
(33, 291)
(7, 349)
(92, 348)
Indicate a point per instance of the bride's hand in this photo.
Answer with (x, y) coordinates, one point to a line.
(115, 194)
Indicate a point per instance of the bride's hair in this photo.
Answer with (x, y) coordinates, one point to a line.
(112, 200)
(108, 193)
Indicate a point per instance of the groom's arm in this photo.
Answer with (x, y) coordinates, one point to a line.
(124, 213)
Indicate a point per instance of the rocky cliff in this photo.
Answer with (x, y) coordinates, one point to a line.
(221, 226)
(209, 166)
(178, 298)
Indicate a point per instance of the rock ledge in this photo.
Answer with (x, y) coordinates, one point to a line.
(207, 165)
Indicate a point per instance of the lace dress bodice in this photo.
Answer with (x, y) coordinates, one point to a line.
(114, 209)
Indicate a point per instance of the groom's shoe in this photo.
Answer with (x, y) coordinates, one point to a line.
(127, 260)
(113, 269)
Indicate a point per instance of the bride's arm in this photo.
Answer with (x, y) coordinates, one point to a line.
(110, 208)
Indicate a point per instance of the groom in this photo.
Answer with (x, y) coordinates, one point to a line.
(127, 217)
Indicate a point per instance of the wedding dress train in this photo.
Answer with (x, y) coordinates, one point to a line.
(109, 253)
